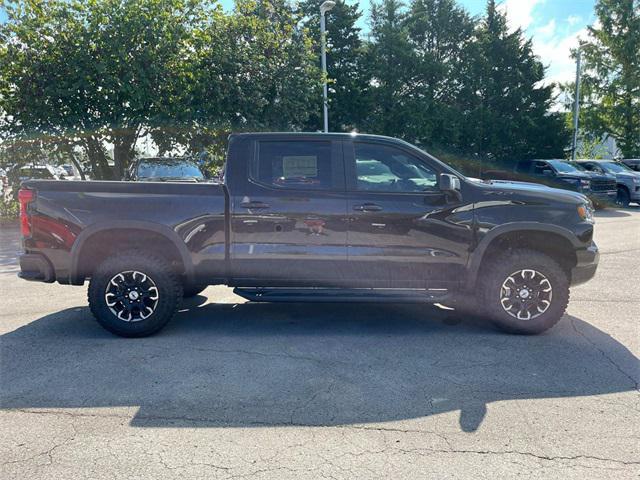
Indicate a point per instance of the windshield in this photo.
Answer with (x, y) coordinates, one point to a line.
(615, 167)
(36, 173)
(168, 169)
(578, 166)
(564, 167)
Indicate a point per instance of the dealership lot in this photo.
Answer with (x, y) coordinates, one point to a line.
(237, 390)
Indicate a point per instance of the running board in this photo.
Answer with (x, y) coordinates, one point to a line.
(342, 295)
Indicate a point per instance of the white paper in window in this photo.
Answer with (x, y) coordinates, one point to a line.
(305, 166)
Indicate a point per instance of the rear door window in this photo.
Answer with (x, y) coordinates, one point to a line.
(294, 164)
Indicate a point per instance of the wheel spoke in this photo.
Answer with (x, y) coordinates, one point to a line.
(526, 294)
(131, 296)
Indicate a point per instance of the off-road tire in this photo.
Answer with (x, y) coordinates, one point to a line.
(504, 265)
(168, 286)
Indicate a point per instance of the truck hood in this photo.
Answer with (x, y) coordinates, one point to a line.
(627, 176)
(599, 176)
(535, 190)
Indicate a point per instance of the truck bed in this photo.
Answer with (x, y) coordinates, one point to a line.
(72, 220)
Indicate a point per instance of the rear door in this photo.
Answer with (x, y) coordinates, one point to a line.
(288, 223)
(403, 231)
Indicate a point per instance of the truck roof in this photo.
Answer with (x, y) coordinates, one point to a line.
(317, 134)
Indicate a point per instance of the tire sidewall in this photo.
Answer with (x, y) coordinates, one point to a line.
(169, 294)
(519, 260)
(623, 198)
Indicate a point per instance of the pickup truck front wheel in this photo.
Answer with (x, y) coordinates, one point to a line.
(524, 292)
(134, 294)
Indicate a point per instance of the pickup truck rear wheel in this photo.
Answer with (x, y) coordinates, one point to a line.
(134, 294)
(524, 292)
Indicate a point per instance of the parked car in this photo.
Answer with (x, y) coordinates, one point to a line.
(69, 172)
(313, 218)
(32, 172)
(20, 174)
(632, 163)
(162, 169)
(563, 174)
(628, 180)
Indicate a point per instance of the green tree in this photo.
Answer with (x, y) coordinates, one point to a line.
(92, 73)
(441, 33)
(270, 69)
(510, 114)
(389, 65)
(611, 79)
(348, 82)
(253, 69)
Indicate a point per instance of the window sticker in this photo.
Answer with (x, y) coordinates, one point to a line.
(305, 166)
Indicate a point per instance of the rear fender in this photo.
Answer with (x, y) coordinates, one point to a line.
(75, 278)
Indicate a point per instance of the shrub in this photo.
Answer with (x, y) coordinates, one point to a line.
(9, 208)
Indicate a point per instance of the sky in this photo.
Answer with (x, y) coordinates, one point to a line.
(553, 25)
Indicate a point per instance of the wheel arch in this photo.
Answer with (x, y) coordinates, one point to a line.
(106, 239)
(555, 241)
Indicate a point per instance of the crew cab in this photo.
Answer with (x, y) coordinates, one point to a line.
(313, 218)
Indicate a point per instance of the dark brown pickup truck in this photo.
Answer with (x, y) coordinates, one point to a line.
(312, 217)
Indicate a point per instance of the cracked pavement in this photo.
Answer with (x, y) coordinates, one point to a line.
(233, 390)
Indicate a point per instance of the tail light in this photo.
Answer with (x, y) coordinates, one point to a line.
(25, 197)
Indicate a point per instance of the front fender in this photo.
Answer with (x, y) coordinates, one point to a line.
(475, 258)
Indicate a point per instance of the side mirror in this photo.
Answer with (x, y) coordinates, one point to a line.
(450, 184)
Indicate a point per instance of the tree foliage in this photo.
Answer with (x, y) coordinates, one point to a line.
(512, 106)
(348, 85)
(82, 78)
(89, 74)
(611, 79)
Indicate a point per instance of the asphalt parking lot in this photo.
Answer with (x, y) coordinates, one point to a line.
(238, 390)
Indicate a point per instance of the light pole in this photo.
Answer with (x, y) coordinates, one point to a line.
(324, 8)
(576, 107)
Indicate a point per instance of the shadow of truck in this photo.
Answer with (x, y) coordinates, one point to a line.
(304, 364)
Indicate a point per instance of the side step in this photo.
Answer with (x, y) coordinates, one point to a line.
(342, 295)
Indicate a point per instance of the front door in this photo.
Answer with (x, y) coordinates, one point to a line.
(403, 231)
(288, 223)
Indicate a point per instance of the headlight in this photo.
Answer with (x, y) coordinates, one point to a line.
(585, 212)
(585, 184)
(636, 180)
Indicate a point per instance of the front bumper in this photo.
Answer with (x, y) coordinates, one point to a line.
(635, 193)
(586, 266)
(35, 267)
(606, 195)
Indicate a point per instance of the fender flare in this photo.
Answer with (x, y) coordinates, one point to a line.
(477, 255)
(165, 231)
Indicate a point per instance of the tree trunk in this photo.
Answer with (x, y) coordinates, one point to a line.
(124, 141)
(67, 148)
(98, 159)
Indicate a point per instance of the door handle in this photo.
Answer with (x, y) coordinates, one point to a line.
(367, 207)
(254, 205)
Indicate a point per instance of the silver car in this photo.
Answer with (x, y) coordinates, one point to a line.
(628, 180)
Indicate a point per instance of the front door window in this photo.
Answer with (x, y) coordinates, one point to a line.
(385, 169)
